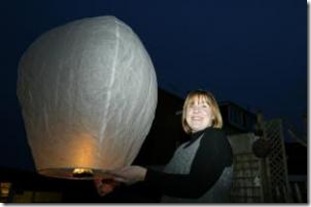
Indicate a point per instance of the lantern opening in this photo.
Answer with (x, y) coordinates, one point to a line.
(78, 173)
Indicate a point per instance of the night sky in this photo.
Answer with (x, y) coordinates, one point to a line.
(253, 53)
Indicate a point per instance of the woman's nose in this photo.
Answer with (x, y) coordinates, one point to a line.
(196, 109)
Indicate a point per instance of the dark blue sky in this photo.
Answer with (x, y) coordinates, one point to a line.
(253, 53)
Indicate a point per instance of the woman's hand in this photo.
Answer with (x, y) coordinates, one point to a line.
(105, 186)
(129, 175)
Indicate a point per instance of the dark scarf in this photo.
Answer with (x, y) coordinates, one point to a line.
(194, 136)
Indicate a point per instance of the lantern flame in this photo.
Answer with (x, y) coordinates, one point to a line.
(82, 172)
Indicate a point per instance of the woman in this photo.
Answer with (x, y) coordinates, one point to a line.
(201, 168)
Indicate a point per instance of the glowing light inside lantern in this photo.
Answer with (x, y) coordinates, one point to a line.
(82, 172)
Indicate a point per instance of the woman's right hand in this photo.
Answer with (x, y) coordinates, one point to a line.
(105, 186)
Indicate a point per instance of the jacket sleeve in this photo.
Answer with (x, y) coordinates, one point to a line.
(212, 156)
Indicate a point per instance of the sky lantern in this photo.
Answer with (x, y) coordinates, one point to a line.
(88, 94)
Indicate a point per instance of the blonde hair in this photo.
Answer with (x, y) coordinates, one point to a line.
(206, 97)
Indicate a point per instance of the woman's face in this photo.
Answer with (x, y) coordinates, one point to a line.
(199, 114)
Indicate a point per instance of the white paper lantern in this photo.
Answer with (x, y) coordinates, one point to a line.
(88, 94)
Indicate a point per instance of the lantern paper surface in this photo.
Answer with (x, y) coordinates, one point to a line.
(88, 94)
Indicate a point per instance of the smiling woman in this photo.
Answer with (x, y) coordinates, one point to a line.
(201, 169)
